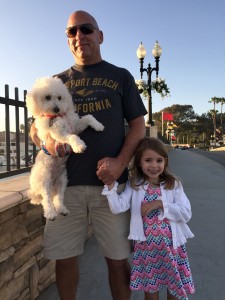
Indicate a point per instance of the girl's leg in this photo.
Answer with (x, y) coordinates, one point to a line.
(170, 297)
(150, 296)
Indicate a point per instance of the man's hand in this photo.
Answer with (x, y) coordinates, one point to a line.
(53, 147)
(109, 170)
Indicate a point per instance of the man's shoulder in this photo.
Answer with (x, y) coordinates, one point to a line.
(110, 65)
(64, 75)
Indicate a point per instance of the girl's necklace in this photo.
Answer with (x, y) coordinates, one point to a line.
(152, 184)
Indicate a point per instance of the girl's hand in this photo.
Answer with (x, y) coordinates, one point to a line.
(146, 208)
(110, 186)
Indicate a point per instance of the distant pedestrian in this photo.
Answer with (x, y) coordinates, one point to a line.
(160, 211)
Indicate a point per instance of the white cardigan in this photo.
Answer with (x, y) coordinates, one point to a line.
(176, 208)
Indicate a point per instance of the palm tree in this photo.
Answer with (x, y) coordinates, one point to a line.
(216, 100)
(222, 101)
(213, 112)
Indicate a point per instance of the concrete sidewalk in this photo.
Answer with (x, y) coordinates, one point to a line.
(204, 184)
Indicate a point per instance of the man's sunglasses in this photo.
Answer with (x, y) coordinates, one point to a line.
(84, 28)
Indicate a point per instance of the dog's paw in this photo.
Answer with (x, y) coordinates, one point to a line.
(62, 210)
(79, 148)
(36, 200)
(99, 127)
(77, 145)
(64, 214)
(50, 215)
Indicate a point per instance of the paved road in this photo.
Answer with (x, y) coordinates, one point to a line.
(204, 184)
(218, 156)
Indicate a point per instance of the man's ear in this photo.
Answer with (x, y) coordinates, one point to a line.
(101, 39)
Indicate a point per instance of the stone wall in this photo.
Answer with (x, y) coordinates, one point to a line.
(24, 273)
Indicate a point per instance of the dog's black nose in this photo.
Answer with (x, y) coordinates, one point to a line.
(56, 109)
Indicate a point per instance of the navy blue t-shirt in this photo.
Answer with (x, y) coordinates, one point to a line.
(109, 94)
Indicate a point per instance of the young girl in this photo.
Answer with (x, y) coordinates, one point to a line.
(160, 211)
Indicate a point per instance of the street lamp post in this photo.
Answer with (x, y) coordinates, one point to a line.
(156, 52)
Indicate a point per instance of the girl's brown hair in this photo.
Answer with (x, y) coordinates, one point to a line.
(137, 177)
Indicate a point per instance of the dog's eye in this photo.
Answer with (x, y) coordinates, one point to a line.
(48, 97)
(59, 97)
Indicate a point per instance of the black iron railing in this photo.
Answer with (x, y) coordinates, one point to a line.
(19, 162)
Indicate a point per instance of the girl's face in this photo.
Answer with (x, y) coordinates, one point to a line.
(152, 165)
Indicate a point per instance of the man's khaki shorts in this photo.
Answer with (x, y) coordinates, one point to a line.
(65, 236)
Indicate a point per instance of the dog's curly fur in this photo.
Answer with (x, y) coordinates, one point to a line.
(50, 103)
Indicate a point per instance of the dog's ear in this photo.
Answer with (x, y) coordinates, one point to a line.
(30, 102)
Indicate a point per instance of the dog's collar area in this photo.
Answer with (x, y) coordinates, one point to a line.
(53, 116)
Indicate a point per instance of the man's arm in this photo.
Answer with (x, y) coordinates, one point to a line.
(116, 166)
(49, 143)
(34, 136)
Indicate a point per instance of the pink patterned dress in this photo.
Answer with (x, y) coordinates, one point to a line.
(155, 263)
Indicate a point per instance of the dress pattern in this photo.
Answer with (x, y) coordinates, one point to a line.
(155, 263)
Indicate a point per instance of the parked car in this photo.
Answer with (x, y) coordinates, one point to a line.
(184, 147)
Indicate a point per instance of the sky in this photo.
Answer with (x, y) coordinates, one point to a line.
(191, 33)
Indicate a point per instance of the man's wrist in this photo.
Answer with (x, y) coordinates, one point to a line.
(43, 147)
(61, 150)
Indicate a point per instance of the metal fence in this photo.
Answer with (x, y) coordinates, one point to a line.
(8, 168)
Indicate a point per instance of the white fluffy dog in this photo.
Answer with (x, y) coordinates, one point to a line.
(50, 103)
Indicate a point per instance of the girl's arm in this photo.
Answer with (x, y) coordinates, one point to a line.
(146, 208)
(177, 206)
(118, 202)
